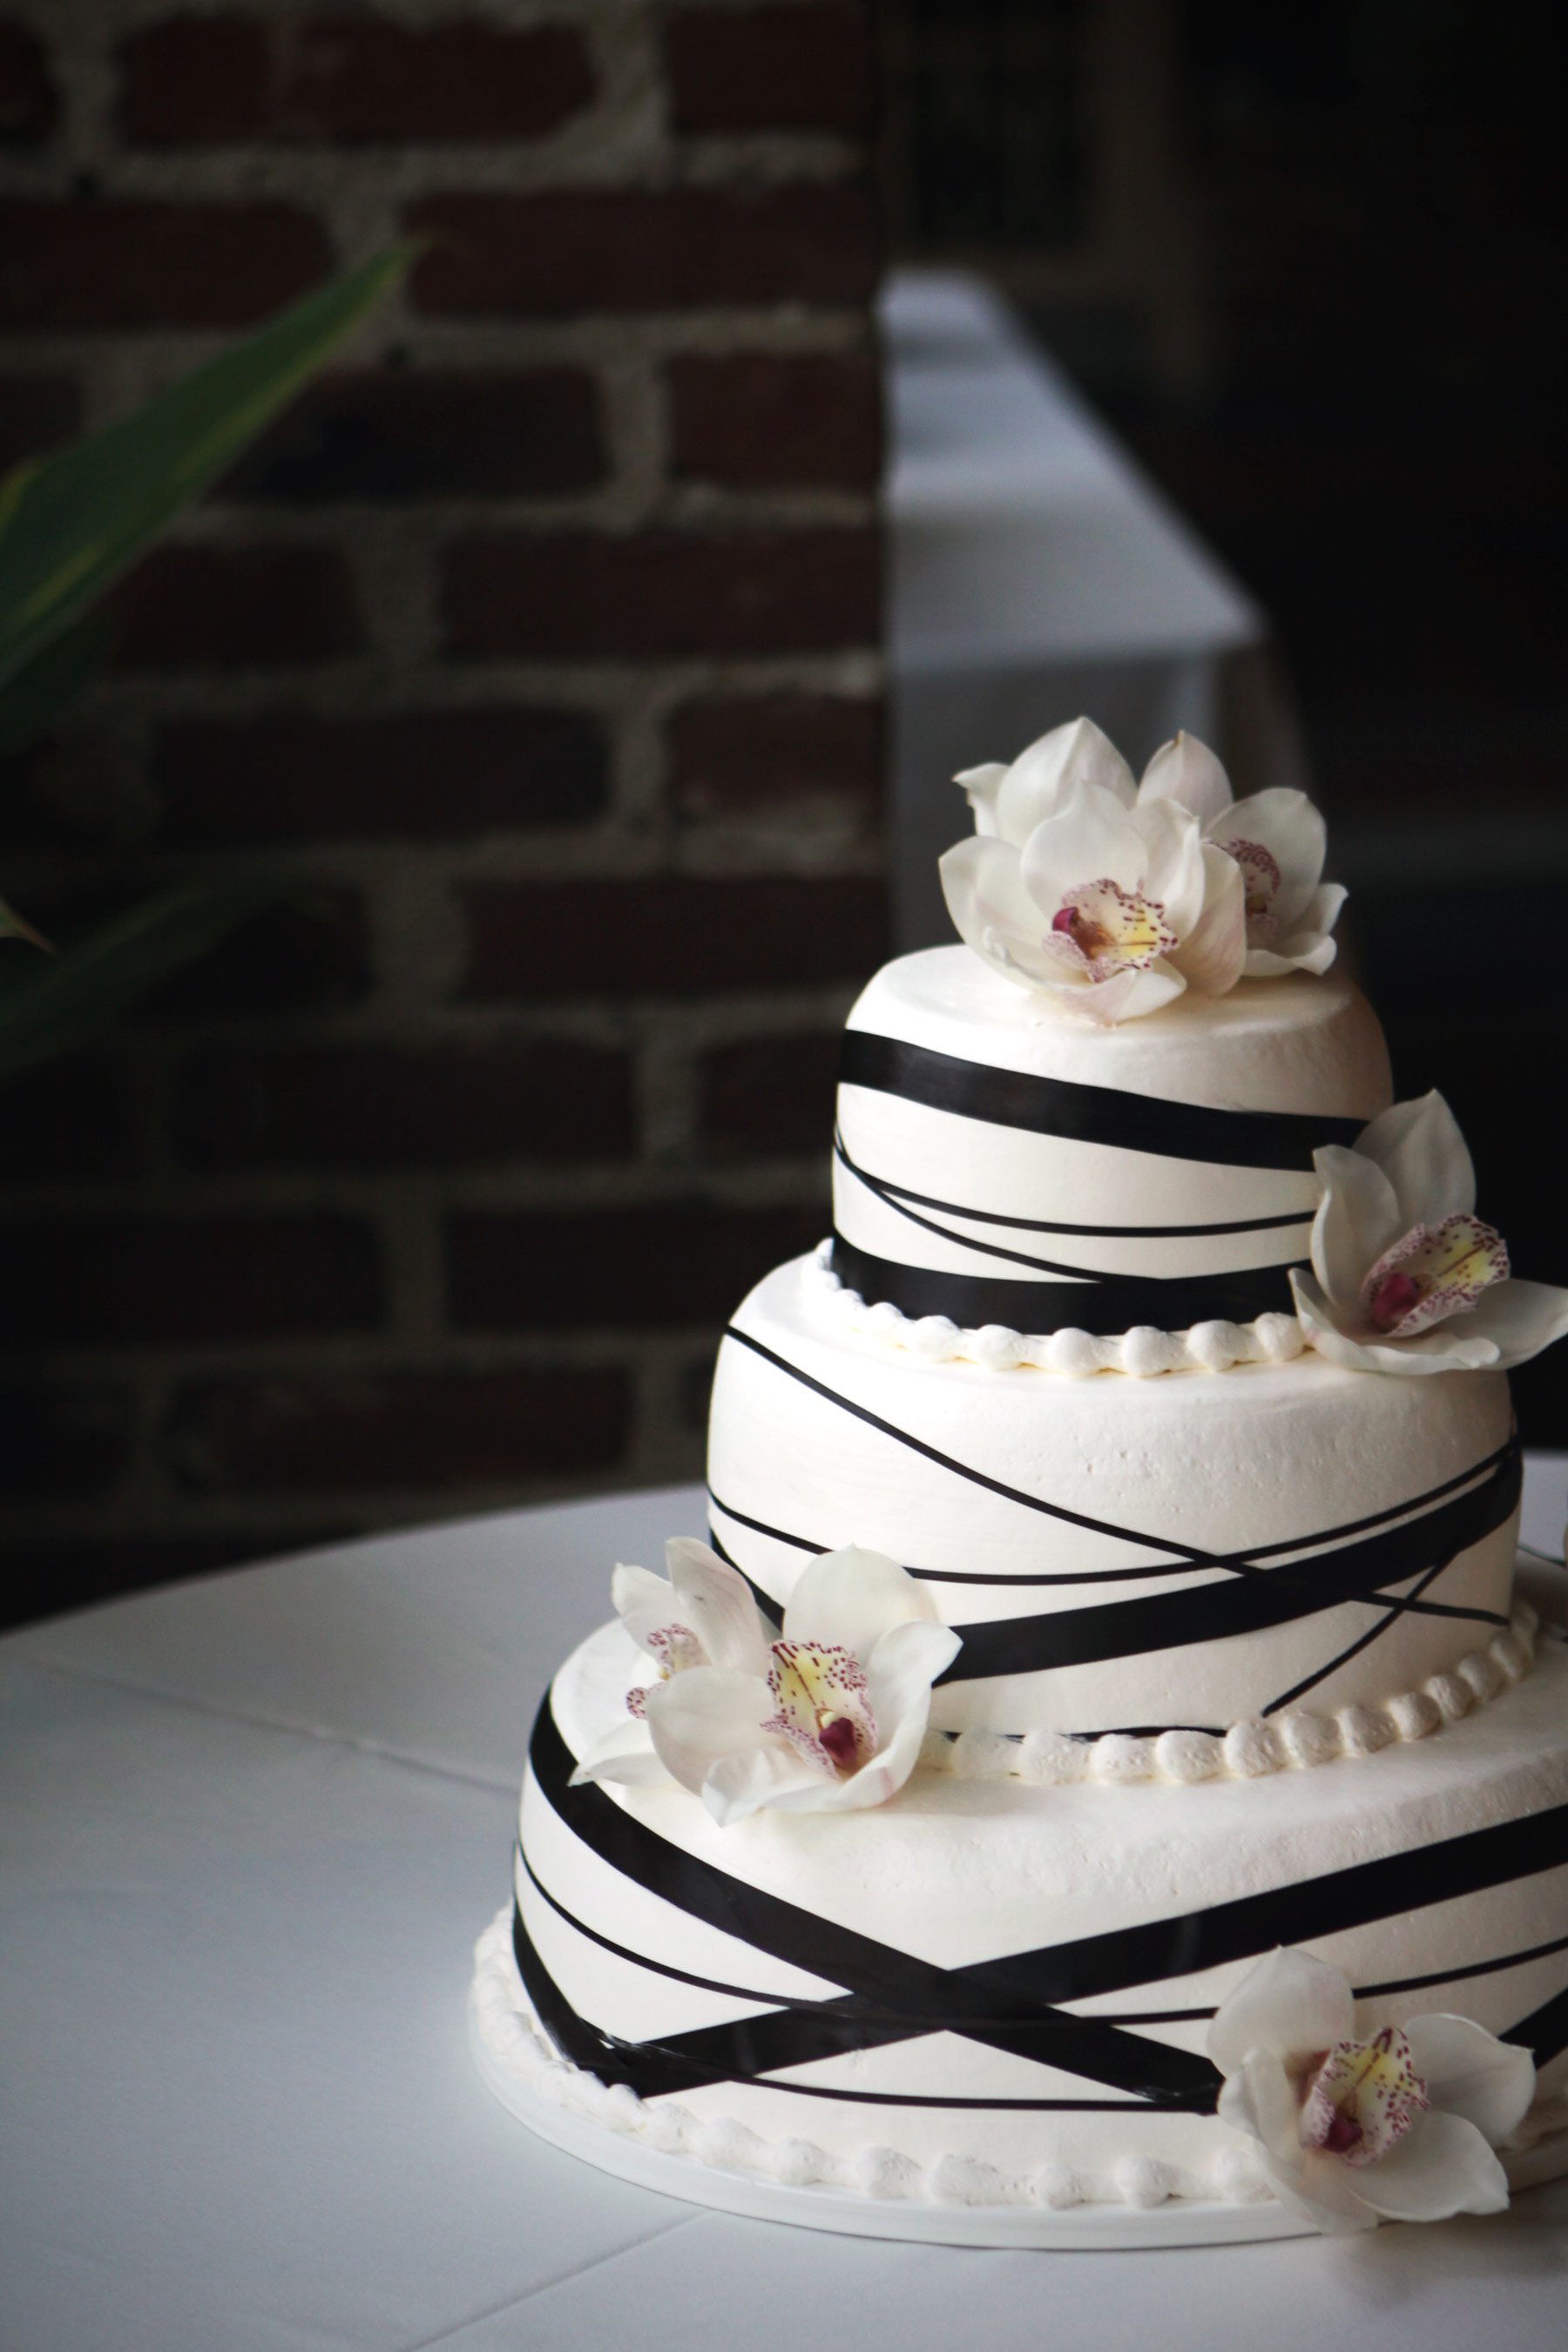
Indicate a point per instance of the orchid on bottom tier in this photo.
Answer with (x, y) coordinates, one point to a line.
(1405, 1277)
(1113, 898)
(1400, 2126)
(827, 1717)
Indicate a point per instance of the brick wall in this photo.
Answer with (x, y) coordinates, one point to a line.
(538, 649)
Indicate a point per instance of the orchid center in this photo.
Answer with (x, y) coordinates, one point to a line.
(1260, 880)
(1100, 929)
(824, 1707)
(1431, 1273)
(1363, 2097)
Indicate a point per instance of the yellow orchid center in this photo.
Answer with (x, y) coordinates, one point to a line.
(1103, 929)
(1433, 1272)
(824, 1707)
(1362, 2097)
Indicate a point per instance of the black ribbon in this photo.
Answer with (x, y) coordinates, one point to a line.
(1131, 1123)
(1011, 2004)
(1102, 1304)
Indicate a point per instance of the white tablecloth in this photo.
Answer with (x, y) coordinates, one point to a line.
(249, 1828)
(1034, 573)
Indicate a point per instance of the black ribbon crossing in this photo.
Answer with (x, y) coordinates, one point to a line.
(1011, 2004)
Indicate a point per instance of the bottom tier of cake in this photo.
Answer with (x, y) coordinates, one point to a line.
(990, 1993)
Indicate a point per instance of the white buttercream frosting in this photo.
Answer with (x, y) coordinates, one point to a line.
(1292, 1741)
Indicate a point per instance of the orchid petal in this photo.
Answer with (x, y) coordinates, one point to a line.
(848, 1599)
(1305, 952)
(1519, 1319)
(1211, 954)
(644, 1602)
(1186, 770)
(982, 784)
(1468, 2072)
(1359, 1217)
(1420, 1149)
(706, 1713)
(742, 1784)
(1127, 996)
(625, 1753)
(1292, 831)
(1043, 778)
(992, 912)
(1176, 873)
(1092, 838)
(1289, 2004)
(716, 1601)
(1323, 908)
(1442, 2166)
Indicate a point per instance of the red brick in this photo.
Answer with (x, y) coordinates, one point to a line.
(29, 105)
(36, 413)
(670, 935)
(585, 595)
(635, 250)
(63, 1444)
(235, 608)
(45, 1576)
(397, 434)
(349, 79)
(66, 1122)
(782, 68)
(450, 1105)
(309, 954)
(771, 420)
(148, 1282)
(766, 1096)
(659, 1268)
(405, 1429)
(79, 263)
(777, 754)
(419, 775)
(195, 81)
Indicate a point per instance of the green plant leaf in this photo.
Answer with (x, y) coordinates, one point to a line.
(45, 687)
(71, 522)
(48, 1007)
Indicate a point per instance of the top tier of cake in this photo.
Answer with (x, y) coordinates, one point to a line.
(1000, 1161)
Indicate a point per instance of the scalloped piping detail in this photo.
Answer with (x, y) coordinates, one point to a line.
(1143, 1353)
(1249, 1750)
(511, 2035)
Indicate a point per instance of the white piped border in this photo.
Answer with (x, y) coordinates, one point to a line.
(1249, 1750)
(1143, 1354)
(877, 2193)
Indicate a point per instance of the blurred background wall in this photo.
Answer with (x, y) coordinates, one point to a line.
(541, 649)
(538, 650)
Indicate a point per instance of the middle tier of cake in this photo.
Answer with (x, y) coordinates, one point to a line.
(1191, 1552)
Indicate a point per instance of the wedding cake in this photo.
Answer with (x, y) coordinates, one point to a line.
(1109, 1756)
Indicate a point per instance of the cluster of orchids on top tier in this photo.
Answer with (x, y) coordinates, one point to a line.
(1400, 2126)
(1405, 1277)
(825, 1717)
(1115, 896)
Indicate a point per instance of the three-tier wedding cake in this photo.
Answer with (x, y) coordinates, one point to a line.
(1105, 1766)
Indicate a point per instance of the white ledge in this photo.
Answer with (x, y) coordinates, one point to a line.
(1143, 1354)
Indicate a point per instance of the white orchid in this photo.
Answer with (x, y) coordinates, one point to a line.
(1405, 1277)
(827, 1717)
(1278, 840)
(1103, 905)
(1264, 908)
(1400, 2126)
